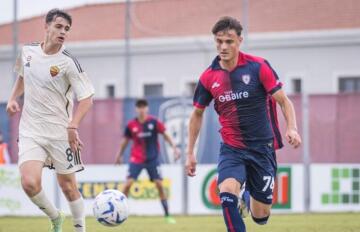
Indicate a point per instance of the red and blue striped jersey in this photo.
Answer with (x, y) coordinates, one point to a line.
(243, 101)
(145, 145)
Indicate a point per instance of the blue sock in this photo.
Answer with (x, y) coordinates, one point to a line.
(246, 197)
(233, 220)
(165, 207)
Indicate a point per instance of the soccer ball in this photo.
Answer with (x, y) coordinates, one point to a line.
(111, 208)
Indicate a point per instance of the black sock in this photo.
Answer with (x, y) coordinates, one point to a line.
(165, 207)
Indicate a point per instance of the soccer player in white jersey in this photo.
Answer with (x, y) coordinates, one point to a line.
(48, 75)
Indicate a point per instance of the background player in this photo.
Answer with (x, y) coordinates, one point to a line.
(143, 131)
(48, 75)
(245, 89)
(4, 152)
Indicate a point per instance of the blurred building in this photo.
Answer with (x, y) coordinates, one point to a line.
(313, 45)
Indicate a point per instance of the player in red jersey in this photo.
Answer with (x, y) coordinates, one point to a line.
(245, 90)
(143, 131)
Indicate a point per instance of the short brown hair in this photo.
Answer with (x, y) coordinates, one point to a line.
(227, 23)
(54, 13)
(141, 103)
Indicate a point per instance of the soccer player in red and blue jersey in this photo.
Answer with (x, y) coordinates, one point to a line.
(143, 131)
(245, 90)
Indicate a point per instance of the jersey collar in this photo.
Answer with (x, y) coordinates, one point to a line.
(44, 54)
(146, 120)
(216, 62)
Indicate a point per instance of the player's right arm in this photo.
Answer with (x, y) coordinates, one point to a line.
(12, 106)
(123, 145)
(202, 98)
(120, 155)
(195, 123)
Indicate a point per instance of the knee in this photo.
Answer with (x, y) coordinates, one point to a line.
(31, 185)
(230, 185)
(228, 188)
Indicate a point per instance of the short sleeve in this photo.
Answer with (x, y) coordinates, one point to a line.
(127, 132)
(269, 78)
(79, 80)
(202, 96)
(19, 64)
(160, 127)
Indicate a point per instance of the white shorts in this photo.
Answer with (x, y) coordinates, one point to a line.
(56, 154)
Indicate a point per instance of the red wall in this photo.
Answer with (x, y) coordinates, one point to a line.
(100, 131)
(334, 122)
(334, 130)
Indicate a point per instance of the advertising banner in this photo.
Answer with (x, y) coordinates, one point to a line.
(13, 200)
(335, 187)
(288, 191)
(143, 195)
(203, 195)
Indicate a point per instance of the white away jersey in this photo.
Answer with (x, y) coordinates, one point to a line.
(49, 82)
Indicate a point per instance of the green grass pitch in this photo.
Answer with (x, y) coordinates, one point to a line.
(349, 222)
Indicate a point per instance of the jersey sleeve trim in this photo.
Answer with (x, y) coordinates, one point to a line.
(77, 64)
(198, 105)
(275, 89)
(85, 96)
(269, 78)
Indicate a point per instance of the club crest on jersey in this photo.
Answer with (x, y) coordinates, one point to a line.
(151, 126)
(54, 70)
(246, 78)
(135, 129)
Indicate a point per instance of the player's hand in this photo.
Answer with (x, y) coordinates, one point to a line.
(74, 140)
(176, 153)
(12, 107)
(293, 138)
(190, 164)
(119, 160)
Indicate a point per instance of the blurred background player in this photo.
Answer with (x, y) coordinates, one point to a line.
(245, 89)
(48, 75)
(143, 131)
(4, 152)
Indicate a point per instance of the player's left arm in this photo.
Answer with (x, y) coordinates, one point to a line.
(162, 130)
(73, 135)
(287, 108)
(273, 86)
(169, 140)
(84, 92)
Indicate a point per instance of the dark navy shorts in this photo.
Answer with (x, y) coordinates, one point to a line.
(152, 168)
(255, 166)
